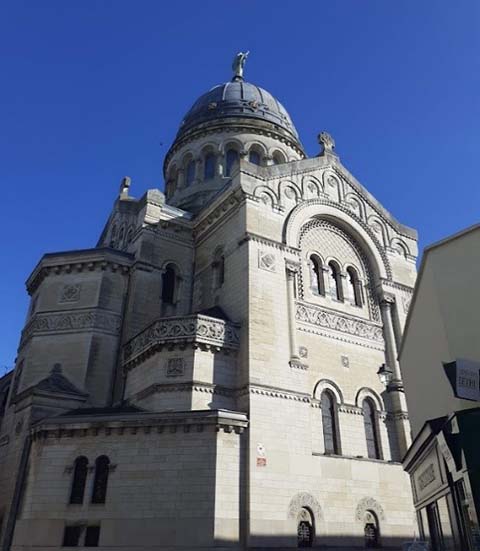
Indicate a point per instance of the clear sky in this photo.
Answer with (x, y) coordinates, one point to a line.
(92, 91)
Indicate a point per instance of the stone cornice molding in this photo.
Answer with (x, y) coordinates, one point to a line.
(192, 386)
(365, 331)
(78, 261)
(249, 236)
(197, 329)
(71, 321)
(133, 423)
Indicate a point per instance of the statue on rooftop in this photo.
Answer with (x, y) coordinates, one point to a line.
(238, 65)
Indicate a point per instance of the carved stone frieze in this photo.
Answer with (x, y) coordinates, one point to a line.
(72, 321)
(200, 329)
(335, 321)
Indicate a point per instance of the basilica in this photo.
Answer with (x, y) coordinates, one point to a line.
(220, 371)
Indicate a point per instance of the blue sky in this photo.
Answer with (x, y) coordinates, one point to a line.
(95, 90)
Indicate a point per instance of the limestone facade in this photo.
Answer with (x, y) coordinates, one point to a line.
(220, 346)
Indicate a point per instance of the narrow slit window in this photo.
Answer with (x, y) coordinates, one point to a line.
(79, 479)
(168, 285)
(335, 281)
(330, 433)
(209, 166)
(316, 276)
(190, 173)
(354, 287)
(232, 158)
(254, 157)
(371, 431)
(102, 467)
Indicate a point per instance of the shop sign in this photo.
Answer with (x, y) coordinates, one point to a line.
(261, 456)
(464, 376)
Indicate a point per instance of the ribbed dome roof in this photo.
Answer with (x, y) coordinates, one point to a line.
(238, 99)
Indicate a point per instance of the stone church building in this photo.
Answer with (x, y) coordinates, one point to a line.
(207, 376)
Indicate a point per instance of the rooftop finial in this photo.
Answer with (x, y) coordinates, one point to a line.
(238, 65)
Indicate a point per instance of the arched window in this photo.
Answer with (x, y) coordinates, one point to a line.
(329, 420)
(99, 492)
(254, 157)
(218, 266)
(169, 277)
(209, 169)
(335, 281)
(355, 288)
(190, 176)
(316, 275)
(371, 429)
(79, 478)
(231, 159)
(278, 158)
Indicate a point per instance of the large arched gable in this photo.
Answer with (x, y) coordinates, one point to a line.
(352, 224)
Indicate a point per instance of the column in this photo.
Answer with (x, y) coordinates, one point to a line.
(292, 269)
(395, 387)
(386, 303)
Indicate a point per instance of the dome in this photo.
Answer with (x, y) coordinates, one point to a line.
(238, 99)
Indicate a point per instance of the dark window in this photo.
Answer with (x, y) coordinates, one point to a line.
(99, 493)
(335, 281)
(232, 158)
(218, 269)
(190, 173)
(209, 166)
(316, 276)
(254, 157)
(92, 535)
(278, 158)
(168, 285)
(79, 479)
(71, 536)
(330, 434)
(355, 286)
(371, 432)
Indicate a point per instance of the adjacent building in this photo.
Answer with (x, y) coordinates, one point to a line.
(206, 376)
(440, 360)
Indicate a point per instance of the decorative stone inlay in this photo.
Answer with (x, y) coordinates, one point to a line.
(204, 330)
(406, 303)
(70, 293)
(266, 261)
(322, 317)
(175, 367)
(369, 504)
(301, 500)
(72, 321)
(303, 352)
(345, 361)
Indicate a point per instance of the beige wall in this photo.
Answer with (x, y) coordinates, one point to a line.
(442, 327)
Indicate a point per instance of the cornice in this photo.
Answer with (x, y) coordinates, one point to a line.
(143, 423)
(79, 261)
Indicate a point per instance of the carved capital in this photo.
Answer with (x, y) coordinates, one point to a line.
(292, 268)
